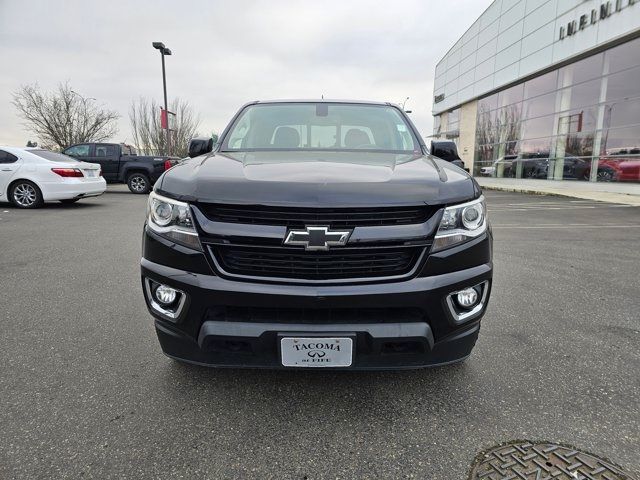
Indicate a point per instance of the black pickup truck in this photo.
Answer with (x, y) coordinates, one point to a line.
(317, 234)
(121, 164)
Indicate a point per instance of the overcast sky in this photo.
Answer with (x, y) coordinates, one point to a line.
(226, 53)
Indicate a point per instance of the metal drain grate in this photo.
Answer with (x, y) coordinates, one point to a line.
(542, 461)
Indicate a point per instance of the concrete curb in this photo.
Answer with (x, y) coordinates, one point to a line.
(608, 197)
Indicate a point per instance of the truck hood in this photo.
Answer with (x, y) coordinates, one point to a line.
(312, 179)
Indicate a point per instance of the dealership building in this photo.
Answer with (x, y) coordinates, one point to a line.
(546, 89)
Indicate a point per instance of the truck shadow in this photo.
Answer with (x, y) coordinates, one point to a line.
(294, 397)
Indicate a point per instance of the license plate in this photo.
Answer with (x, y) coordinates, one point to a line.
(316, 352)
(90, 173)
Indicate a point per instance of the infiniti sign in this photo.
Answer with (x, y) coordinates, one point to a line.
(605, 11)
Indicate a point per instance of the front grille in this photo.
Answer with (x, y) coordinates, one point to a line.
(295, 263)
(299, 217)
(314, 315)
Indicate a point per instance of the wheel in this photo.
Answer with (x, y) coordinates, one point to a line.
(138, 183)
(25, 194)
(605, 175)
(68, 201)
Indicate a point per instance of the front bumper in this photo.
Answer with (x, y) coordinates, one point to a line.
(403, 324)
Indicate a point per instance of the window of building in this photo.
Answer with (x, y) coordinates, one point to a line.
(540, 85)
(437, 125)
(511, 95)
(453, 120)
(580, 95)
(557, 120)
(579, 144)
(618, 141)
(620, 114)
(581, 71)
(623, 56)
(539, 106)
(538, 127)
(623, 85)
(488, 103)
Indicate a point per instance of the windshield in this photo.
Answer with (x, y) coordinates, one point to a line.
(320, 126)
(52, 156)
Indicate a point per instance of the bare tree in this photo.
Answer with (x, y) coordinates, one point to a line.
(150, 137)
(63, 117)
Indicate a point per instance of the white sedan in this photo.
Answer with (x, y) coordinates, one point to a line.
(31, 176)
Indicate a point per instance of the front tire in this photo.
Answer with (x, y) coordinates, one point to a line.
(25, 194)
(605, 175)
(138, 183)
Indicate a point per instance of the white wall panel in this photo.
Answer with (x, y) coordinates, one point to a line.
(488, 33)
(468, 63)
(453, 59)
(453, 73)
(506, 75)
(486, 51)
(466, 79)
(537, 40)
(468, 48)
(536, 61)
(472, 32)
(491, 14)
(508, 5)
(511, 16)
(507, 56)
(543, 15)
(509, 36)
(483, 86)
(485, 68)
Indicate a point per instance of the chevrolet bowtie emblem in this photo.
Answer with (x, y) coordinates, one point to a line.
(317, 238)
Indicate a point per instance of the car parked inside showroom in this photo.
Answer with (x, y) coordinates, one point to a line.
(500, 167)
(317, 234)
(121, 163)
(31, 176)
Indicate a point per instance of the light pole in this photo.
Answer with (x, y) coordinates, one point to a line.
(164, 51)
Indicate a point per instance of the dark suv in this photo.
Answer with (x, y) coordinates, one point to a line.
(317, 234)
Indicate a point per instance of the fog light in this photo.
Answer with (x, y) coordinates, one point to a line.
(165, 295)
(467, 298)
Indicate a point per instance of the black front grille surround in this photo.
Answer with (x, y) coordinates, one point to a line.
(331, 217)
(383, 244)
(334, 264)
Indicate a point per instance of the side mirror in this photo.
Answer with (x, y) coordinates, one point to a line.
(446, 150)
(200, 146)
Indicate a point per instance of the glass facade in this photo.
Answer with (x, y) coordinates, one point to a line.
(450, 127)
(578, 122)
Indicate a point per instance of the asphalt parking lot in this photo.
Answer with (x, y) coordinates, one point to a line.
(86, 392)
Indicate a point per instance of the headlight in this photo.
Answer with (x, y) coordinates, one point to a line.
(461, 223)
(172, 219)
